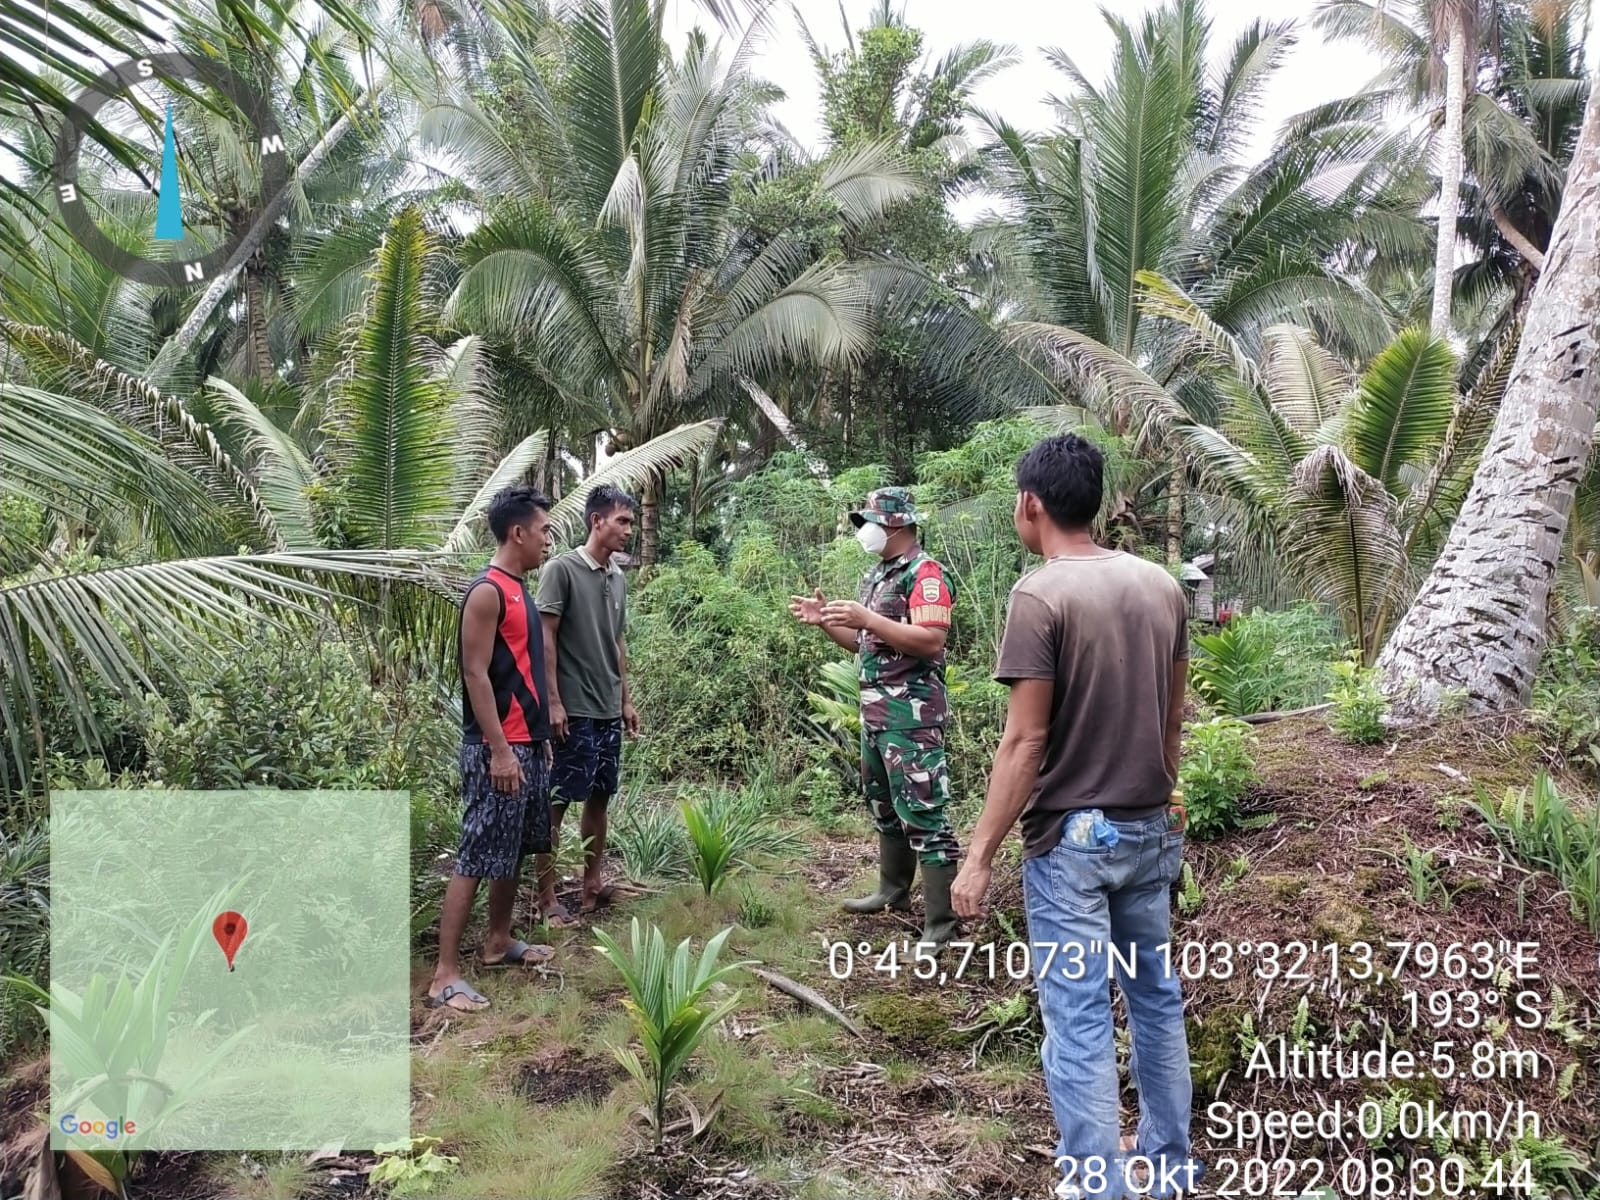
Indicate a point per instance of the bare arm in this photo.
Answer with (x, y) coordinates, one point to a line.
(550, 623)
(479, 619)
(1016, 765)
(1016, 770)
(478, 622)
(1174, 746)
(630, 718)
(844, 637)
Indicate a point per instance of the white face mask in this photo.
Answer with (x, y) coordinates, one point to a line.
(873, 537)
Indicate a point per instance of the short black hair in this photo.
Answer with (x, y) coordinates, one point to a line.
(1067, 473)
(513, 506)
(604, 501)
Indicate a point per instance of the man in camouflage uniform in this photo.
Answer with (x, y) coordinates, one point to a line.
(898, 630)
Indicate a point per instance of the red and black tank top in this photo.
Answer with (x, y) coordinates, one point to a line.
(516, 667)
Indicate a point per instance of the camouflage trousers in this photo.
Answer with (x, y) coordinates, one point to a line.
(907, 784)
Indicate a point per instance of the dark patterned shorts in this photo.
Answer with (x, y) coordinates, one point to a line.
(499, 828)
(588, 762)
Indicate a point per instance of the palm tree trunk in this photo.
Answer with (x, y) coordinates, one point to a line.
(1444, 257)
(255, 317)
(188, 333)
(1175, 514)
(1518, 239)
(1478, 623)
(650, 525)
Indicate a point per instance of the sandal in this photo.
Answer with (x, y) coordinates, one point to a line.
(478, 1001)
(601, 899)
(557, 917)
(520, 954)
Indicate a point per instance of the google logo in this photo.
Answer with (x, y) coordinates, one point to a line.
(110, 1130)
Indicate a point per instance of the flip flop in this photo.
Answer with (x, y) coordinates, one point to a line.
(558, 918)
(520, 954)
(452, 990)
(601, 899)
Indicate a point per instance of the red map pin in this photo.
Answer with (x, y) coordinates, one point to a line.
(229, 929)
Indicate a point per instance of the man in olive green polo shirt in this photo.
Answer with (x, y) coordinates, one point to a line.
(583, 608)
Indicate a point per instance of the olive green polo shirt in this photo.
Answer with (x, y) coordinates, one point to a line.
(591, 601)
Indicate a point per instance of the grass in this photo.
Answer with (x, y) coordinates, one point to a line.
(561, 1152)
(1543, 829)
(754, 1093)
(287, 1178)
(791, 1096)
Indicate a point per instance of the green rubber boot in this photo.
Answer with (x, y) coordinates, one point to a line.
(897, 864)
(940, 923)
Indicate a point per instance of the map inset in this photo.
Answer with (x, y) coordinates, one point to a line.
(155, 1043)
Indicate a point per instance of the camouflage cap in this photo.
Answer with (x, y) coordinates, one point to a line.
(891, 507)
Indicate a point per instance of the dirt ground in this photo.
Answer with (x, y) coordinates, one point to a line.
(941, 1095)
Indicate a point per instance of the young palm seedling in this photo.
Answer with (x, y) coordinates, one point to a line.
(669, 1000)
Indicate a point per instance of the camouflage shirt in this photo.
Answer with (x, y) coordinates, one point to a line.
(899, 691)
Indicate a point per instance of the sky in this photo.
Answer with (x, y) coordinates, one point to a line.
(1315, 70)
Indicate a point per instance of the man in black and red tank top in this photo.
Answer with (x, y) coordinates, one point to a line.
(505, 746)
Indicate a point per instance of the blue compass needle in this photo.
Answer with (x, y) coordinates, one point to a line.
(169, 208)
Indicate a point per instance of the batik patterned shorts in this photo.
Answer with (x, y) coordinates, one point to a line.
(499, 828)
(588, 762)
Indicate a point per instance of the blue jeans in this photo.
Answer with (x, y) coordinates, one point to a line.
(1081, 900)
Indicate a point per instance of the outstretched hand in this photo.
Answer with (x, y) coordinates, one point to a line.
(846, 614)
(808, 609)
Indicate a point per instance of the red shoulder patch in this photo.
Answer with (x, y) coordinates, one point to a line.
(930, 596)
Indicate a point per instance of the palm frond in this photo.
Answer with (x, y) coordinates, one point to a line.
(1344, 542)
(475, 419)
(1257, 53)
(1108, 384)
(821, 317)
(73, 459)
(284, 471)
(1429, 509)
(1160, 297)
(63, 365)
(867, 181)
(511, 468)
(133, 625)
(1402, 407)
(392, 409)
(613, 62)
(633, 470)
(1307, 384)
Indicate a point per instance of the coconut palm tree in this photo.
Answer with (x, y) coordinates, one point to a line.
(309, 80)
(397, 449)
(1349, 481)
(1478, 624)
(1144, 173)
(1500, 117)
(611, 263)
(373, 497)
(71, 622)
(48, 56)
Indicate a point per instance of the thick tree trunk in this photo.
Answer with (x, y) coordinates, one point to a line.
(1444, 256)
(1479, 622)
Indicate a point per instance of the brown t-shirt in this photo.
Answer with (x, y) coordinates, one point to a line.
(1107, 631)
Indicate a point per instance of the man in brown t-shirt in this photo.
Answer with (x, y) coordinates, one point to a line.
(1095, 651)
